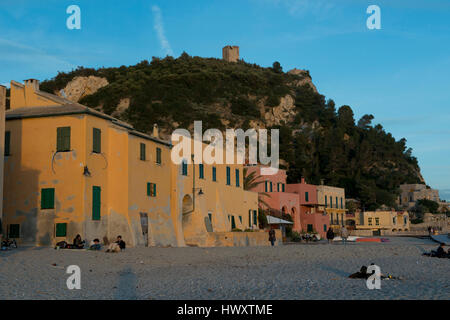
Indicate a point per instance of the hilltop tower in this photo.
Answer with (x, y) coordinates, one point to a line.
(230, 53)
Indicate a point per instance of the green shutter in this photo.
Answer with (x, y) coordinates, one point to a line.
(240, 219)
(148, 189)
(233, 223)
(249, 218)
(96, 140)
(142, 151)
(154, 189)
(48, 198)
(271, 187)
(283, 185)
(214, 171)
(7, 143)
(14, 231)
(237, 178)
(266, 189)
(61, 229)
(228, 176)
(184, 168)
(310, 228)
(306, 196)
(96, 203)
(158, 156)
(201, 171)
(255, 217)
(63, 139)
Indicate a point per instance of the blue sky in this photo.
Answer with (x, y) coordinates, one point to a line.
(400, 74)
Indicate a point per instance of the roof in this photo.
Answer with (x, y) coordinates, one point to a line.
(68, 107)
(274, 220)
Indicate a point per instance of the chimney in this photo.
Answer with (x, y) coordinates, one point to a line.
(32, 83)
(303, 180)
(155, 131)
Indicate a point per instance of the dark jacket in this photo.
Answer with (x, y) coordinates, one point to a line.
(272, 235)
(330, 234)
(121, 244)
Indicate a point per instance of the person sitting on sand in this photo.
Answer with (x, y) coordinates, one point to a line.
(361, 274)
(117, 246)
(78, 243)
(95, 245)
(440, 252)
(330, 235)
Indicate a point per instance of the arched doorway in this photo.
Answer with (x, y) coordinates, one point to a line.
(186, 212)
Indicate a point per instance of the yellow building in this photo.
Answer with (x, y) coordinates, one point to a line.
(73, 170)
(332, 202)
(382, 220)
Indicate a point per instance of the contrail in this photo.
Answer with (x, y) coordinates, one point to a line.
(159, 28)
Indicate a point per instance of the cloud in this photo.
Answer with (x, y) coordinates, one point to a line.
(304, 7)
(159, 28)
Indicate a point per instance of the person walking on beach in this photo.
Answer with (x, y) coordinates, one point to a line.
(330, 235)
(272, 237)
(344, 234)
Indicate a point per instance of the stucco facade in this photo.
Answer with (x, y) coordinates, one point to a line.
(383, 220)
(332, 202)
(312, 220)
(411, 193)
(73, 170)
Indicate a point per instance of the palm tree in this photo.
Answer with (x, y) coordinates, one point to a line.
(251, 181)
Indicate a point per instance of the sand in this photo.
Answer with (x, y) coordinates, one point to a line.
(300, 271)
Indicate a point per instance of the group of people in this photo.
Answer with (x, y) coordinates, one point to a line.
(439, 253)
(7, 244)
(79, 243)
(331, 235)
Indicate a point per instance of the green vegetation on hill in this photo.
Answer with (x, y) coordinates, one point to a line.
(320, 142)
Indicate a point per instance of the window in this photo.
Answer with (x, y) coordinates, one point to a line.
(337, 204)
(184, 168)
(14, 231)
(307, 196)
(7, 143)
(142, 149)
(233, 223)
(325, 228)
(210, 217)
(250, 218)
(271, 187)
(48, 198)
(151, 189)
(237, 178)
(214, 174)
(240, 219)
(158, 156)
(326, 202)
(61, 229)
(266, 183)
(96, 140)
(342, 203)
(310, 228)
(332, 218)
(394, 220)
(331, 202)
(63, 139)
(278, 187)
(405, 220)
(283, 187)
(370, 221)
(377, 221)
(255, 217)
(201, 171)
(228, 176)
(96, 203)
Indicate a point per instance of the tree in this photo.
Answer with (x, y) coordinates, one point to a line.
(430, 205)
(251, 181)
(277, 67)
(365, 121)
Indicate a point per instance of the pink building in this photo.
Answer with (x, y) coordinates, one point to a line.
(279, 199)
(310, 218)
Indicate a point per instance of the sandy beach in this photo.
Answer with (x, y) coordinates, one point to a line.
(300, 271)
